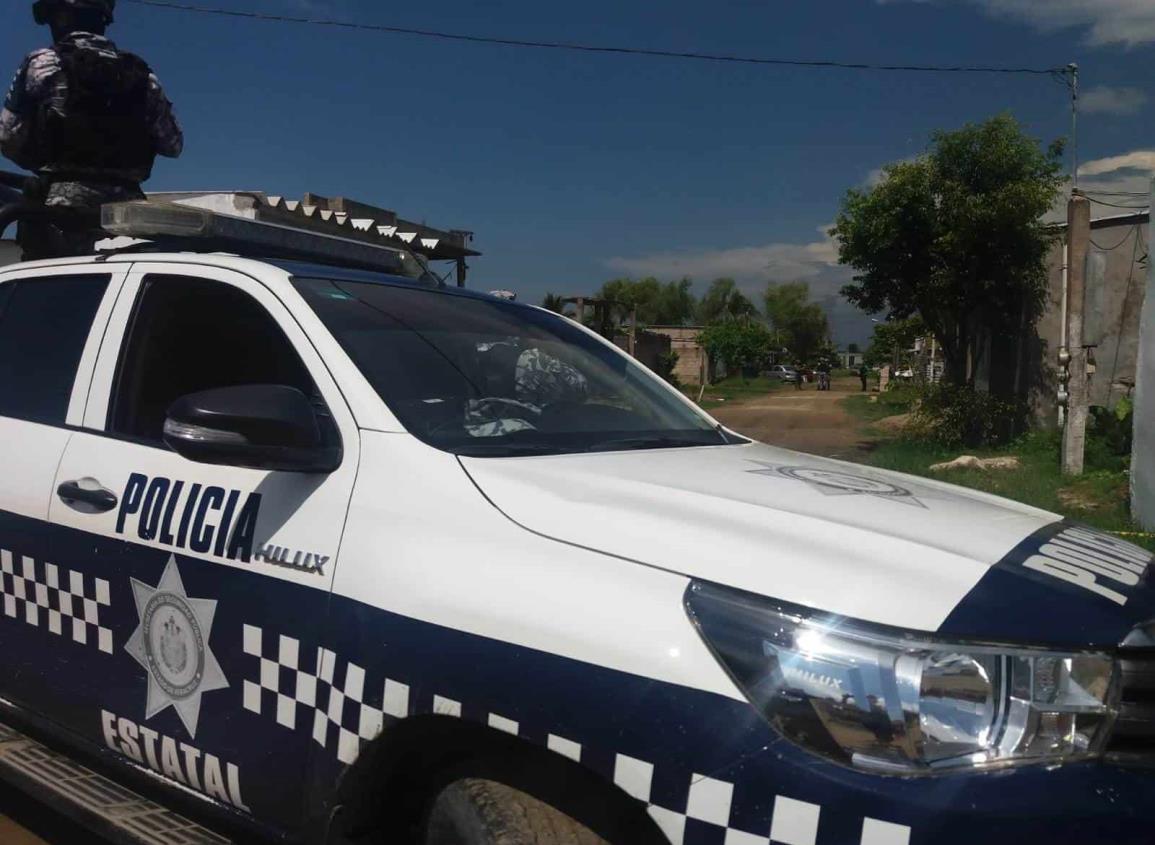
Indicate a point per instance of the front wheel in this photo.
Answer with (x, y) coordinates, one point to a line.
(482, 812)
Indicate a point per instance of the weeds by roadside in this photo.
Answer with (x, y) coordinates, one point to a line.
(733, 389)
(1099, 497)
(871, 407)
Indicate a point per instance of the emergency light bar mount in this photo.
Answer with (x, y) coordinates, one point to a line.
(205, 230)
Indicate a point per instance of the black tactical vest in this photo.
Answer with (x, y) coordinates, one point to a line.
(102, 125)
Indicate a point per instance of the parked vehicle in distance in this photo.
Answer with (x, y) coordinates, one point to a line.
(784, 372)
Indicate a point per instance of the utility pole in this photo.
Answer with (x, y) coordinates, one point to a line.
(1073, 83)
(1142, 467)
(1078, 241)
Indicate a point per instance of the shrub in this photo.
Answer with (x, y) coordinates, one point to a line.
(741, 345)
(1114, 427)
(962, 416)
(666, 363)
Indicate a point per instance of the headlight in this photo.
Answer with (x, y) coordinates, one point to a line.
(905, 704)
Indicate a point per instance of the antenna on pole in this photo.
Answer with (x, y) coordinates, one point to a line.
(1072, 74)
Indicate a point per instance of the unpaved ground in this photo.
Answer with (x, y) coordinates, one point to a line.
(808, 420)
(12, 834)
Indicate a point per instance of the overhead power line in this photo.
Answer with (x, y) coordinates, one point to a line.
(592, 48)
(1143, 207)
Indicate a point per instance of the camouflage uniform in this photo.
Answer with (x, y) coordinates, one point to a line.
(539, 379)
(542, 379)
(494, 417)
(40, 85)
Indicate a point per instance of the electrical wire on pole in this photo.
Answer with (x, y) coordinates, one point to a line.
(594, 48)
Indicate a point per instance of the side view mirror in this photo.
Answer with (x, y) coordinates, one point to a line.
(263, 426)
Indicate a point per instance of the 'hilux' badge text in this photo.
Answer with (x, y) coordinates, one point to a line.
(203, 519)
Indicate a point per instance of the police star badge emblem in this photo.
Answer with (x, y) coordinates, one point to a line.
(838, 483)
(172, 644)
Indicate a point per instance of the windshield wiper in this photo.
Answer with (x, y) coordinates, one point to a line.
(651, 442)
(504, 450)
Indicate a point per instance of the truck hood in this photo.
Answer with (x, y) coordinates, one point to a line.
(860, 542)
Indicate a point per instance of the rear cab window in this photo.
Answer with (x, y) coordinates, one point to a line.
(44, 326)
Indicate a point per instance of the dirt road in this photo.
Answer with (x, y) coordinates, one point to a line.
(25, 821)
(808, 420)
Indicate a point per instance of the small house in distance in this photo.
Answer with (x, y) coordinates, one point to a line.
(693, 365)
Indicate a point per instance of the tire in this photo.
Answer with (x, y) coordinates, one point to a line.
(482, 812)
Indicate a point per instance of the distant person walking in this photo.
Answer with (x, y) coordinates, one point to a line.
(824, 375)
(863, 373)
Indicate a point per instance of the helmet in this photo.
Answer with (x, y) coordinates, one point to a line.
(42, 9)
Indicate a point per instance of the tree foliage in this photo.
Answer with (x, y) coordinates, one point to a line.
(800, 325)
(554, 302)
(723, 302)
(956, 236)
(739, 344)
(893, 338)
(657, 303)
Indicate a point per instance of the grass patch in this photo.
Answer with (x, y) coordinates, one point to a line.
(898, 400)
(1099, 498)
(732, 390)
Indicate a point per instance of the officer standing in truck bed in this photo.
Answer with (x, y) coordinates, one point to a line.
(88, 118)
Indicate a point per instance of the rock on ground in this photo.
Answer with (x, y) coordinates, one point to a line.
(971, 462)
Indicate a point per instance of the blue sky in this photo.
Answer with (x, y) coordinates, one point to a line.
(573, 169)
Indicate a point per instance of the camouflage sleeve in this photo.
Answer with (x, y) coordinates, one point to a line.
(35, 82)
(166, 132)
(14, 123)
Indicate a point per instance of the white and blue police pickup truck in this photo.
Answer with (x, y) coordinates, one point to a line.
(312, 554)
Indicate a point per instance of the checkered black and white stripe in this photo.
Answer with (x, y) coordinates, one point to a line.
(330, 697)
(332, 703)
(708, 819)
(45, 596)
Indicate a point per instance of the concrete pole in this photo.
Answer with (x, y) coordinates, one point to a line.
(1143, 456)
(1078, 243)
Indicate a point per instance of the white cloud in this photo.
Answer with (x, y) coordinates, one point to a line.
(876, 176)
(1104, 99)
(1127, 22)
(1141, 160)
(1122, 180)
(782, 261)
(752, 267)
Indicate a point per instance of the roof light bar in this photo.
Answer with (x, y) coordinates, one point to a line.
(152, 220)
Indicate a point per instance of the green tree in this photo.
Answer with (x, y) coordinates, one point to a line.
(957, 237)
(739, 344)
(657, 304)
(723, 301)
(892, 339)
(799, 324)
(554, 302)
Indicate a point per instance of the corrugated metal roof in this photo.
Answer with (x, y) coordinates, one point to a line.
(338, 216)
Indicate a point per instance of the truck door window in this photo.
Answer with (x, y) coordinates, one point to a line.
(188, 335)
(44, 324)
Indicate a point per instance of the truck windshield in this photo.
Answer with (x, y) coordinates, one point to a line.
(488, 378)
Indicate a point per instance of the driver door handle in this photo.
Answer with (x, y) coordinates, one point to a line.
(86, 496)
